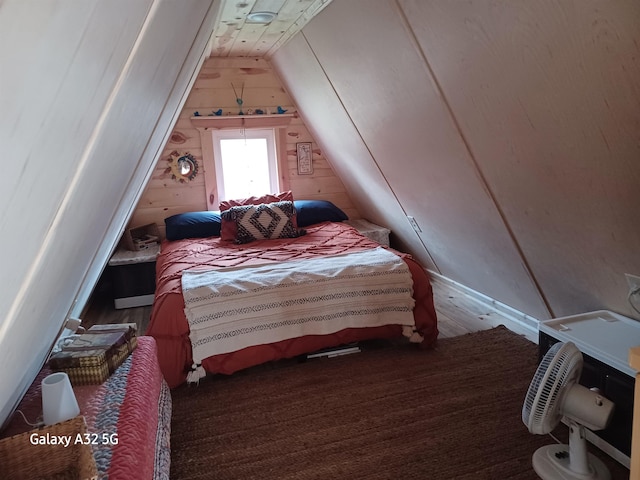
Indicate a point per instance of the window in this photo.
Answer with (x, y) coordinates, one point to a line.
(246, 163)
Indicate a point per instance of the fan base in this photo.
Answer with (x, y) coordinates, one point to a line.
(551, 462)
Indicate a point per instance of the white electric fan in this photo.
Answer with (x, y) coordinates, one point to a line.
(555, 392)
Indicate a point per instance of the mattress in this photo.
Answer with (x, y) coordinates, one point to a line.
(170, 328)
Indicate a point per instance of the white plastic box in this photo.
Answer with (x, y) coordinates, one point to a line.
(603, 335)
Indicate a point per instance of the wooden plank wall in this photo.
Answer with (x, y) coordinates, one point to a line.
(212, 90)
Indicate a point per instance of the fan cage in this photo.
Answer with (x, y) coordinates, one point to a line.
(561, 365)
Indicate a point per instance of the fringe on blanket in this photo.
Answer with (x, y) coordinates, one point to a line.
(412, 334)
(197, 372)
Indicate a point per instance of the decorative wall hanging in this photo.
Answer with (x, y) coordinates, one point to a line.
(238, 97)
(305, 158)
(183, 167)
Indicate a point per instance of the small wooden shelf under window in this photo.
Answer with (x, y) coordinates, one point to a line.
(242, 121)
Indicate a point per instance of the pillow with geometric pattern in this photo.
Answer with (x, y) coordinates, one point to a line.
(228, 230)
(264, 221)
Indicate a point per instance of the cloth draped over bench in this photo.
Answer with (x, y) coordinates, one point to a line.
(128, 417)
(229, 309)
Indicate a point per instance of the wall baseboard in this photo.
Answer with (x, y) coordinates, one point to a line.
(514, 319)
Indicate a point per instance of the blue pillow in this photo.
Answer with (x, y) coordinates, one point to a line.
(193, 225)
(317, 211)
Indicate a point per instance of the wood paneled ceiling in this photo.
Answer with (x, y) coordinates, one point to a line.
(235, 36)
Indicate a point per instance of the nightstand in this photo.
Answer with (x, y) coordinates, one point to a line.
(134, 276)
(371, 230)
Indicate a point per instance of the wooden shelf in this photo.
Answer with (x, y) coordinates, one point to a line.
(242, 121)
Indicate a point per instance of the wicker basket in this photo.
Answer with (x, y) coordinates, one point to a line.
(91, 367)
(20, 459)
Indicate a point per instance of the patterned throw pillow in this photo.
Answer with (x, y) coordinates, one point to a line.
(229, 230)
(264, 221)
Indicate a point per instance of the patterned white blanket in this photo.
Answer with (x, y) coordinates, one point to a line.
(233, 308)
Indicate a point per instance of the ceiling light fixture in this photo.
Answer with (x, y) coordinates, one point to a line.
(261, 17)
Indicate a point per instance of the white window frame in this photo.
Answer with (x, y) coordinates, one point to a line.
(207, 125)
(233, 134)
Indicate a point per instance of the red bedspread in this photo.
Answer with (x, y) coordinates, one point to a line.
(170, 328)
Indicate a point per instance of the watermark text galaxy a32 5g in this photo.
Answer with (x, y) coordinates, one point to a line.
(77, 439)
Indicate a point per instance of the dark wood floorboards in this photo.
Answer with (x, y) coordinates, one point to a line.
(101, 311)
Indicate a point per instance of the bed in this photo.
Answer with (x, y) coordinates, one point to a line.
(170, 327)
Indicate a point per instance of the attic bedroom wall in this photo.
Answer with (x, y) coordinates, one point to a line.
(212, 90)
(89, 91)
(510, 130)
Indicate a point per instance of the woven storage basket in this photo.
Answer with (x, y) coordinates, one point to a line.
(21, 460)
(88, 367)
(92, 367)
(121, 354)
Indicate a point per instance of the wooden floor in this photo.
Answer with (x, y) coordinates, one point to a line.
(102, 311)
(458, 313)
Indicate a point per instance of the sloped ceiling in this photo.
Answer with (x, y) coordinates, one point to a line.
(236, 36)
(88, 98)
(510, 131)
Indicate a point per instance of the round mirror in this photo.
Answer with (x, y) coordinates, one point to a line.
(183, 167)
